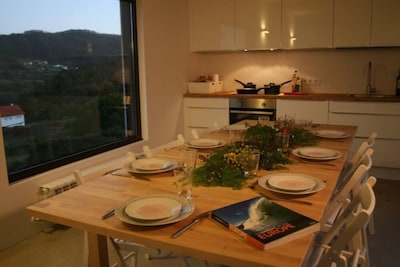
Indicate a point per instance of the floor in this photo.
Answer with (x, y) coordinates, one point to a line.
(64, 247)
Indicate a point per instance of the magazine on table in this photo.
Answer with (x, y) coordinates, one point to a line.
(264, 223)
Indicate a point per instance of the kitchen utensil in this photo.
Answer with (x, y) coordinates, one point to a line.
(247, 85)
(274, 89)
(193, 222)
(108, 214)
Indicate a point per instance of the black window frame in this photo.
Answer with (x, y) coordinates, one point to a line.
(130, 49)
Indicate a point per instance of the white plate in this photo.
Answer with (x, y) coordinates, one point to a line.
(319, 185)
(186, 211)
(291, 182)
(128, 167)
(316, 153)
(206, 143)
(151, 164)
(330, 134)
(236, 127)
(155, 208)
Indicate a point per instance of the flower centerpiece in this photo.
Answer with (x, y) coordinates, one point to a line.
(227, 167)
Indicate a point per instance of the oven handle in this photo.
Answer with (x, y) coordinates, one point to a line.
(251, 112)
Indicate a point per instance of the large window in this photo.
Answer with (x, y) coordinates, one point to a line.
(68, 81)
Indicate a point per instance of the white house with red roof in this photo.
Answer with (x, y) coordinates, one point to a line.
(12, 116)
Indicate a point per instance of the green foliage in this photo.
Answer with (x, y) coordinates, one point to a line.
(220, 170)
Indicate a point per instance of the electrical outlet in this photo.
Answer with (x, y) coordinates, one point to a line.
(311, 81)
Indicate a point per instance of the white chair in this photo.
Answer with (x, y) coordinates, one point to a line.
(214, 127)
(343, 196)
(179, 141)
(369, 143)
(337, 247)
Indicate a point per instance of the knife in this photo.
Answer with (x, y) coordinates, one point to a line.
(193, 222)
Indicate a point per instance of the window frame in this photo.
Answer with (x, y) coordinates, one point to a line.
(129, 40)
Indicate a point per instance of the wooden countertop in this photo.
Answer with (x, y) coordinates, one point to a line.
(305, 96)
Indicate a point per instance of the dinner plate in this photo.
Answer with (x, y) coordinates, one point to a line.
(206, 143)
(319, 185)
(150, 164)
(316, 153)
(128, 167)
(290, 182)
(330, 134)
(235, 127)
(155, 208)
(186, 210)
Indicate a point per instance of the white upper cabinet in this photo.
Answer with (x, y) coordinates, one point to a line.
(211, 25)
(352, 23)
(258, 24)
(307, 24)
(385, 23)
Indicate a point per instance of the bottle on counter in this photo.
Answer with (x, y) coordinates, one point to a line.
(398, 85)
(297, 88)
(294, 81)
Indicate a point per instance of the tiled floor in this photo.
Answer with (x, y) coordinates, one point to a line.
(64, 247)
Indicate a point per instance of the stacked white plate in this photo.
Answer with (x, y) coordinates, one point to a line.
(316, 153)
(291, 183)
(150, 165)
(330, 134)
(206, 143)
(153, 210)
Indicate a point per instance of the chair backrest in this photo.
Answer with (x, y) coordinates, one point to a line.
(214, 127)
(351, 222)
(365, 159)
(343, 195)
(371, 139)
(180, 140)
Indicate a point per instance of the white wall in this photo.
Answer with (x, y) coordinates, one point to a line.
(340, 70)
(164, 50)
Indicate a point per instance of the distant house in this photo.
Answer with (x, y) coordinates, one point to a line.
(12, 116)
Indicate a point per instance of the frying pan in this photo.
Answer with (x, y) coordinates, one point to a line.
(270, 89)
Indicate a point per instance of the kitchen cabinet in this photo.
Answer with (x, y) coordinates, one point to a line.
(211, 25)
(314, 110)
(383, 118)
(202, 113)
(307, 24)
(257, 24)
(352, 23)
(385, 23)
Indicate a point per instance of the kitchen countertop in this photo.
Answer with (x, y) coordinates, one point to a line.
(303, 96)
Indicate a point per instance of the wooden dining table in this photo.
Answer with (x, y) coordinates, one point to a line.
(82, 207)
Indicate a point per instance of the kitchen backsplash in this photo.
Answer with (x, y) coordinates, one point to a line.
(326, 70)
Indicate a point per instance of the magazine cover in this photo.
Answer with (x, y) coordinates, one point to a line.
(264, 223)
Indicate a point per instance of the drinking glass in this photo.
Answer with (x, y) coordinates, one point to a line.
(282, 142)
(252, 164)
(235, 136)
(183, 181)
(263, 120)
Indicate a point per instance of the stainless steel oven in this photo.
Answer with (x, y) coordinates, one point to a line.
(251, 109)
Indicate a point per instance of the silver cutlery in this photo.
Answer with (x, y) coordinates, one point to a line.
(298, 201)
(191, 224)
(108, 214)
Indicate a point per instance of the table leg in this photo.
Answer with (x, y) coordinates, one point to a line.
(98, 253)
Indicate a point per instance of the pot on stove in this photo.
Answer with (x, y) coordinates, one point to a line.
(269, 89)
(248, 88)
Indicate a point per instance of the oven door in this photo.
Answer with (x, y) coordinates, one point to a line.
(239, 114)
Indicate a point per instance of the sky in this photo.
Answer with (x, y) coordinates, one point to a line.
(17, 16)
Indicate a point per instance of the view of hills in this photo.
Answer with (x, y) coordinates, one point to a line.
(53, 47)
